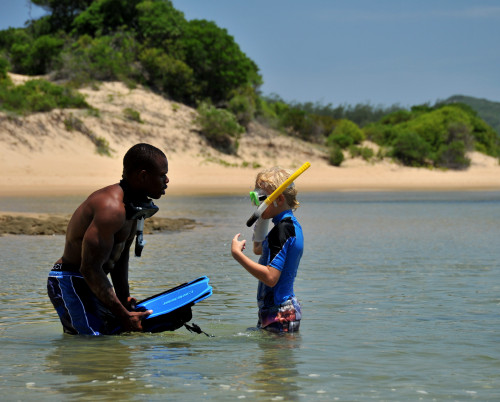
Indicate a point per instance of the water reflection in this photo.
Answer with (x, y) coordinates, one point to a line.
(94, 367)
(276, 372)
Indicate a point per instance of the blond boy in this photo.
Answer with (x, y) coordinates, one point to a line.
(280, 252)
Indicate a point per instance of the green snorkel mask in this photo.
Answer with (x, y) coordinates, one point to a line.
(257, 196)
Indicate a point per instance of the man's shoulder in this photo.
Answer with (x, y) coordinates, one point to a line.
(109, 194)
(108, 200)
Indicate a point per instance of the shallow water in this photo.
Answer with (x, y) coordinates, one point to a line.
(400, 295)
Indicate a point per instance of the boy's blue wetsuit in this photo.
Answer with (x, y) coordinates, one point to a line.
(279, 310)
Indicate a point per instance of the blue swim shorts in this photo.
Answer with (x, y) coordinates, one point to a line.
(79, 309)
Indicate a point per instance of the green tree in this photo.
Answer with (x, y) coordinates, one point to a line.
(43, 55)
(397, 117)
(161, 26)
(63, 11)
(217, 61)
(17, 44)
(104, 17)
(411, 149)
(169, 75)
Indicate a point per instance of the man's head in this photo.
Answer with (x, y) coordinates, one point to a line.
(145, 168)
(270, 179)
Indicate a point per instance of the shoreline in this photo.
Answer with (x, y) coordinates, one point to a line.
(215, 180)
(212, 189)
(83, 191)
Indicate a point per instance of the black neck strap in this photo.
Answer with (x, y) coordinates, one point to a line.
(137, 206)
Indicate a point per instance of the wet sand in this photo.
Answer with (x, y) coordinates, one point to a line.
(55, 224)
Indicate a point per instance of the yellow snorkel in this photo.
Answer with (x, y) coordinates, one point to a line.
(276, 193)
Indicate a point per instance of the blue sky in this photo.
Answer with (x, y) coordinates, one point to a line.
(355, 51)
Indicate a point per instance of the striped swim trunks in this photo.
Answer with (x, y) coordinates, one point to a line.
(78, 308)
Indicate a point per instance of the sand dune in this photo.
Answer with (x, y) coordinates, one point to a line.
(53, 153)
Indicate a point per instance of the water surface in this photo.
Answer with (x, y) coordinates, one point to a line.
(400, 295)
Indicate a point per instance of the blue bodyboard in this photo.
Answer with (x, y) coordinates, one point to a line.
(172, 307)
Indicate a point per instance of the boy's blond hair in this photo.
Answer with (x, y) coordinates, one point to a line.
(270, 179)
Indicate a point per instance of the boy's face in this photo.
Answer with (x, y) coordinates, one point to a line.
(274, 208)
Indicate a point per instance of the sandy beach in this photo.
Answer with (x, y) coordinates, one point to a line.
(42, 156)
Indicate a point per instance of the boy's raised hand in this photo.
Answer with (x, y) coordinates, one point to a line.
(237, 246)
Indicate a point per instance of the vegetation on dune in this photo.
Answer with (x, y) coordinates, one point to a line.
(149, 42)
(219, 127)
(137, 41)
(35, 95)
(424, 136)
(487, 110)
(436, 136)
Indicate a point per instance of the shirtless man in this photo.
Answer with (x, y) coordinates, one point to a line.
(98, 240)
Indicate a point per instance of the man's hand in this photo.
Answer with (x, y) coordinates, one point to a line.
(131, 303)
(134, 320)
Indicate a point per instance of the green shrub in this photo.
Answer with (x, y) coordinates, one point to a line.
(102, 146)
(381, 134)
(460, 132)
(219, 127)
(265, 113)
(132, 115)
(361, 152)
(336, 156)
(441, 135)
(104, 58)
(453, 156)
(345, 134)
(432, 126)
(411, 149)
(72, 123)
(341, 140)
(485, 137)
(350, 128)
(242, 105)
(39, 96)
(4, 68)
